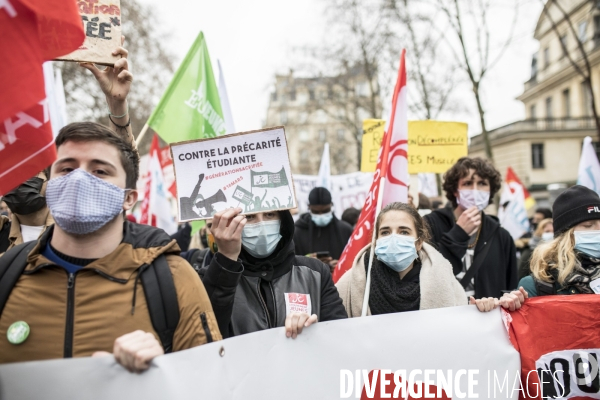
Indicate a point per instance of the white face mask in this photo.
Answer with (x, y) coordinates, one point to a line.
(468, 198)
(260, 239)
(547, 236)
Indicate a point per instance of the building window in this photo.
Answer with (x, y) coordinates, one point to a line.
(274, 96)
(564, 45)
(546, 57)
(587, 99)
(311, 94)
(283, 117)
(303, 135)
(596, 28)
(537, 155)
(549, 107)
(582, 31)
(567, 102)
(532, 111)
(322, 135)
(534, 66)
(293, 95)
(341, 134)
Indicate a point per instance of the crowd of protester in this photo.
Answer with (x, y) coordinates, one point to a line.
(81, 278)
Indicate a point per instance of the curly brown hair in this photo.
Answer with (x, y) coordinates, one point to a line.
(483, 169)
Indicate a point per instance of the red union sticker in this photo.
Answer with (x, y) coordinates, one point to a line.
(297, 302)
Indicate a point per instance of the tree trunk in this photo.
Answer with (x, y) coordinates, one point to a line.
(484, 132)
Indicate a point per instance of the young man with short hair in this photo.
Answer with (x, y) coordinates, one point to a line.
(81, 290)
(481, 252)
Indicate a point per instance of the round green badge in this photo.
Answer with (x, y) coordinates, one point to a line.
(18, 332)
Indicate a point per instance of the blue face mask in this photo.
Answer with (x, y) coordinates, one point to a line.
(396, 251)
(322, 219)
(588, 242)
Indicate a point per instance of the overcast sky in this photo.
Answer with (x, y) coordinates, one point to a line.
(255, 39)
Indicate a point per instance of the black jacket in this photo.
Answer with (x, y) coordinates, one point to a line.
(498, 271)
(248, 295)
(310, 238)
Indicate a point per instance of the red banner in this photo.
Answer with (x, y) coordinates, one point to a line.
(26, 146)
(33, 31)
(558, 338)
(393, 148)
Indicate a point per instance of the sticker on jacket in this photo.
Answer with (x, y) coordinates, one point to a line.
(297, 302)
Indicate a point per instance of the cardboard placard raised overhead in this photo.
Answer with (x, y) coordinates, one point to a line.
(102, 26)
(434, 146)
(250, 170)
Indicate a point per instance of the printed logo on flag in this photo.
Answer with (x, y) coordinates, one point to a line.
(297, 302)
(568, 374)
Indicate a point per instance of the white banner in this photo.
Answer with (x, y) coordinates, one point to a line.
(347, 190)
(467, 349)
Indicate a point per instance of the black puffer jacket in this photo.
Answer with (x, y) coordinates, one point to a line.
(499, 269)
(248, 295)
(310, 238)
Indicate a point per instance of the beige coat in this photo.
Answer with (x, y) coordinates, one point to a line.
(439, 287)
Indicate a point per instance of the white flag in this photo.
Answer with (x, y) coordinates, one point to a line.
(512, 213)
(589, 167)
(225, 107)
(324, 179)
(55, 93)
(428, 184)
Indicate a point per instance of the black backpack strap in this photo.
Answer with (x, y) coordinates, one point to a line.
(5, 225)
(477, 262)
(12, 265)
(161, 297)
(544, 288)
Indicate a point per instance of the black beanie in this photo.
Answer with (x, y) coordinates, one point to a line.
(319, 196)
(573, 206)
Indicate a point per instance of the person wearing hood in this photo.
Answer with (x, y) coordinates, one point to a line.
(30, 214)
(482, 253)
(256, 281)
(319, 233)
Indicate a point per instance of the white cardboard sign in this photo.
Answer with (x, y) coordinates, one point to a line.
(250, 170)
(102, 26)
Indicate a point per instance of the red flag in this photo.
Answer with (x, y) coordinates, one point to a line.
(512, 179)
(156, 209)
(32, 32)
(389, 167)
(558, 338)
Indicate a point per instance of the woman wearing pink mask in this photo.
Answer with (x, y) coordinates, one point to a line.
(481, 252)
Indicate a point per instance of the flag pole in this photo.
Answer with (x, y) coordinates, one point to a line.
(141, 135)
(365, 306)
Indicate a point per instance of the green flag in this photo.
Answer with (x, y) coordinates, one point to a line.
(268, 179)
(190, 108)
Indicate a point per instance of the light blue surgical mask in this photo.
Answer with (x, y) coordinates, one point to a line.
(322, 219)
(396, 251)
(588, 242)
(260, 239)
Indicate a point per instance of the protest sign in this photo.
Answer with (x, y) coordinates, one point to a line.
(435, 146)
(249, 170)
(329, 360)
(102, 25)
(373, 130)
(347, 190)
